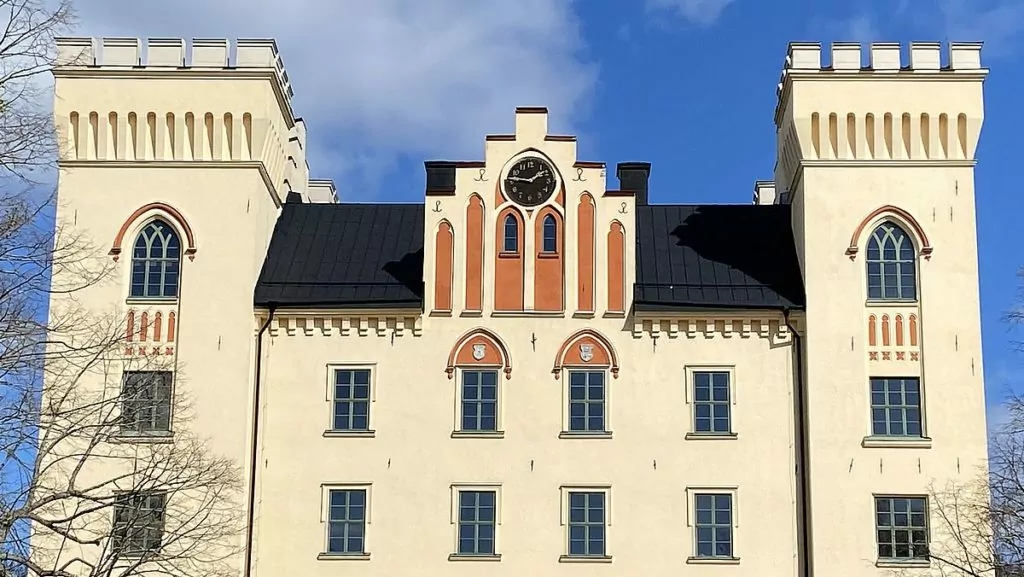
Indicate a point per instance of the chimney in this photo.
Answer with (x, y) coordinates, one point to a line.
(764, 192)
(440, 176)
(633, 177)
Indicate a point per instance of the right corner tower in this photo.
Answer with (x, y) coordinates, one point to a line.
(877, 162)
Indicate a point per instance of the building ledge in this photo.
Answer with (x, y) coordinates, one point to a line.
(712, 560)
(343, 557)
(478, 434)
(350, 434)
(464, 557)
(151, 437)
(585, 559)
(872, 442)
(711, 436)
(585, 435)
(903, 564)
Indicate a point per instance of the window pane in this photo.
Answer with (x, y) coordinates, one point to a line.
(895, 407)
(713, 524)
(351, 400)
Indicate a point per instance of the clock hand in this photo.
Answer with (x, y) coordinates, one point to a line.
(516, 178)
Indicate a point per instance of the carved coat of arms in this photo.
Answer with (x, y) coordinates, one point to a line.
(479, 350)
(587, 353)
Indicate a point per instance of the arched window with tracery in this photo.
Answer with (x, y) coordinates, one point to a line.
(892, 267)
(156, 262)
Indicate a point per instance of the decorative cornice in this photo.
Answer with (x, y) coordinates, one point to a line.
(712, 325)
(197, 164)
(342, 323)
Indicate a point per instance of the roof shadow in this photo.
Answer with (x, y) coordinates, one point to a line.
(408, 271)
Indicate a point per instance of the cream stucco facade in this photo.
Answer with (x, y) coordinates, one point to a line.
(205, 141)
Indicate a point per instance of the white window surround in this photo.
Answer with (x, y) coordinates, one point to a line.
(329, 382)
(325, 492)
(689, 372)
(457, 488)
(563, 519)
(691, 512)
(457, 431)
(564, 377)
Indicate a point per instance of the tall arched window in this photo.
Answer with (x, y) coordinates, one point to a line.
(511, 243)
(550, 243)
(892, 272)
(156, 258)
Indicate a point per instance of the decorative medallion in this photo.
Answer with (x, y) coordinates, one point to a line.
(479, 350)
(586, 353)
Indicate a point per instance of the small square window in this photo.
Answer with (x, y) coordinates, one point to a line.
(901, 528)
(712, 402)
(896, 407)
(713, 522)
(587, 402)
(351, 400)
(477, 520)
(586, 515)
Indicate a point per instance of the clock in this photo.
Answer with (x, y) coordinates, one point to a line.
(530, 181)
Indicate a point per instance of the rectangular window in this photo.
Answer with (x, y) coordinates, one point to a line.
(351, 400)
(138, 522)
(346, 521)
(711, 402)
(586, 401)
(479, 400)
(146, 402)
(587, 522)
(896, 407)
(901, 526)
(713, 516)
(477, 518)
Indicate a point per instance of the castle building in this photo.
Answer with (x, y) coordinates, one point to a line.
(536, 366)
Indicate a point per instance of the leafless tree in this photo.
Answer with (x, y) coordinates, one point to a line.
(101, 473)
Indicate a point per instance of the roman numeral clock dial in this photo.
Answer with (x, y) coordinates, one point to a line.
(530, 182)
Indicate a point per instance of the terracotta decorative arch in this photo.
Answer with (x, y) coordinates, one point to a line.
(906, 217)
(586, 348)
(479, 347)
(169, 211)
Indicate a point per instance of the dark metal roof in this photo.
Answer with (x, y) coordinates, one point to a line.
(371, 256)
(345, 255)
(716, 256)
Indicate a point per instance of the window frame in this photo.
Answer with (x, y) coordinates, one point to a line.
(325, 520)
(136, 431)
(922, 425)
(692, 492)
(118, 506)
(456, 491)
(510, 218)
(915, 265)
(567, 431)
(902, 561)
(549, 217)
(458, 430)
(690, 373)
(332, 369)
(566, 492)
(136, 235)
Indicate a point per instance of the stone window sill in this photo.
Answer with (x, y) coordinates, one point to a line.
(343, 557)
(711, 436)
(349, 434)
(478, 434)
(464, 557)
(551, 255)
(712, 560)
(141, 301)
(503, 254)
(585, 435)
(900, 564)
(151, 437)
(873, 442)
(585, 559)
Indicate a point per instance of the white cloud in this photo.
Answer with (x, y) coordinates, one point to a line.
(703, 12)
(380, 79)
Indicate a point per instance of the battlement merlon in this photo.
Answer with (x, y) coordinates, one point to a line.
(126, 56)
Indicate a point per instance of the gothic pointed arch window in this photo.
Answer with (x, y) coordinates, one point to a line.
(550, 234)
(892, 266)
(156, 262)
(511, 241)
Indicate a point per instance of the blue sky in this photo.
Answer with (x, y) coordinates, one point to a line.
(385, 85)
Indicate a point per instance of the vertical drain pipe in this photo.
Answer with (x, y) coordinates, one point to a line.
(804, 532)
(254, 454)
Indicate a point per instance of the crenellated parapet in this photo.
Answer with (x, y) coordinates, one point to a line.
(127, 102)
(885, 102)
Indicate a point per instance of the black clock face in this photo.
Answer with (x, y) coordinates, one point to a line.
(530, 182)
